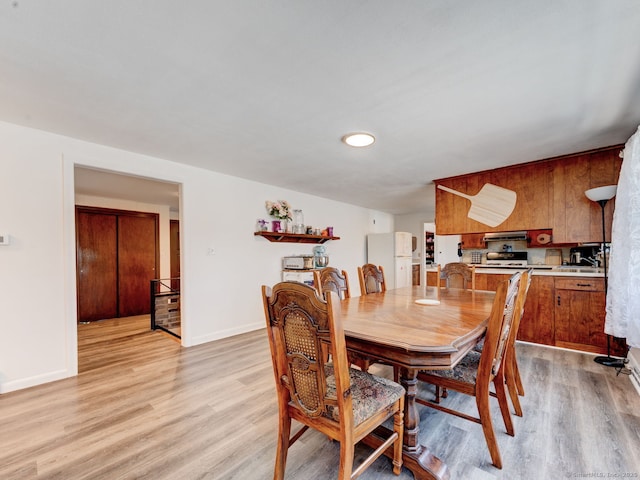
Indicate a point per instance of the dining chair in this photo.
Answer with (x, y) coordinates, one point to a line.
(332, 279)
(475, 373)
(457, 274)
(371, 279)
(343, 403)
(513, 379)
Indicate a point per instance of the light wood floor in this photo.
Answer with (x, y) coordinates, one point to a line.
(143, 407)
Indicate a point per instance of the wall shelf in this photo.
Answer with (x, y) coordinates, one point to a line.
(294, 237)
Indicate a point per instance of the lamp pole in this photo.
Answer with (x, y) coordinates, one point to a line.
(602, 195)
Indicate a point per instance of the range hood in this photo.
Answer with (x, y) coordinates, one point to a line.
(505, 236)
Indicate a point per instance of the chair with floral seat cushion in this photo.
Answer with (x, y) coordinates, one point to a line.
(343, 403)
(371, 279)
(474, 374)
(330, 278)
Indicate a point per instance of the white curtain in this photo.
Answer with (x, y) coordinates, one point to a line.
(623, 295)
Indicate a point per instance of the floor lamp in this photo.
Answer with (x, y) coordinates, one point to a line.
(602, 195)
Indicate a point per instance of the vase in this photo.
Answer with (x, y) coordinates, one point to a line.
(287, 226)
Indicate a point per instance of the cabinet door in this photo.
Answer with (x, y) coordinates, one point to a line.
(575, 217)
(579, 316)
(579, 322)
(473, 240)
(415, 274)
(537, 324)
(493, 280)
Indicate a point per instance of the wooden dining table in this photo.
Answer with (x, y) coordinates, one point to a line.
(416, 328)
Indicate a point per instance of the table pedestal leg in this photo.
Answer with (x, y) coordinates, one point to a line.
(415, 457)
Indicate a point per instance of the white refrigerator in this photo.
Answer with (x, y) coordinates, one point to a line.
(393, 252)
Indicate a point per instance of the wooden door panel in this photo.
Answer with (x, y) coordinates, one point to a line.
(537, 323)
(96, 246)
(136, 263)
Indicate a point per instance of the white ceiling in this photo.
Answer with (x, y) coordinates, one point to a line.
(265, 89)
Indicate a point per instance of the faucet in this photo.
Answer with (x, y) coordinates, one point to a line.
(592, 261)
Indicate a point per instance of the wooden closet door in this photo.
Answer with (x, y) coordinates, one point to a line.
(137, 239)
(96, 256)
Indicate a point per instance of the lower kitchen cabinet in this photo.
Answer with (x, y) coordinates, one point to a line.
(415, 274)
(432, 279)
(489, 281)
(579, 316)
(537, 324)
(562, 311)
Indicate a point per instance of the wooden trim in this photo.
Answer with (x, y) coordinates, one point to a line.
(520, 165)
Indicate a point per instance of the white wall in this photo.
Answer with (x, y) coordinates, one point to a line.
(220, 293)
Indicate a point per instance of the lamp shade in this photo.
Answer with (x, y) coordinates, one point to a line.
(601, 193)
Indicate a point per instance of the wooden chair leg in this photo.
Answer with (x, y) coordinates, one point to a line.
(482, 401)
(282, 447)
(519, 385)
(347, 451)
(510, 367)
(501, 394)
(510, 378)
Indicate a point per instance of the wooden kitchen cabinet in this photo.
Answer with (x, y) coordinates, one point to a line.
(550, 195)
(579, 316)
(473, 240)
(537, 324)
(562, 311)
(432, 279)
(576, 218)
(531, 182)
(489, 281)
(415, 274)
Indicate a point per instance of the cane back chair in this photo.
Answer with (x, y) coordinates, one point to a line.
(457, 275)
(371, 279)
(343, 403)
(332, 279)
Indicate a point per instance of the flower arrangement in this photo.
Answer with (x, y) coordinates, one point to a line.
(280, 209)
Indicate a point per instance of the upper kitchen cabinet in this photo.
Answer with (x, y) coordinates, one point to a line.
(531, 182)
(575, 217)
(550, 195)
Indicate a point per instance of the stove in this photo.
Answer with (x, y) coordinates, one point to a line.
(507, 259)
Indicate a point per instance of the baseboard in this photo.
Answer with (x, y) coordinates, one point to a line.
(634, 366)
(6, 387)
(230, 332)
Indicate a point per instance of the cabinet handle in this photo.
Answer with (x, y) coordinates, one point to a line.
(558, 300)
(583, 284)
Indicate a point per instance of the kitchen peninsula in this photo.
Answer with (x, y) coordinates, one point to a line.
(565, 306)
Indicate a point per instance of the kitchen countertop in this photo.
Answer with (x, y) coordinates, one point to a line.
(542, 270)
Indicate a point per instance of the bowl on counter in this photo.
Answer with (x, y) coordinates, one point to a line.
(321, 260)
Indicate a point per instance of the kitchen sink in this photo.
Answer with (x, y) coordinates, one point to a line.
(576, 269)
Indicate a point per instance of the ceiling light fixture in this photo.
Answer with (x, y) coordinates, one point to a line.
(358, 139)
